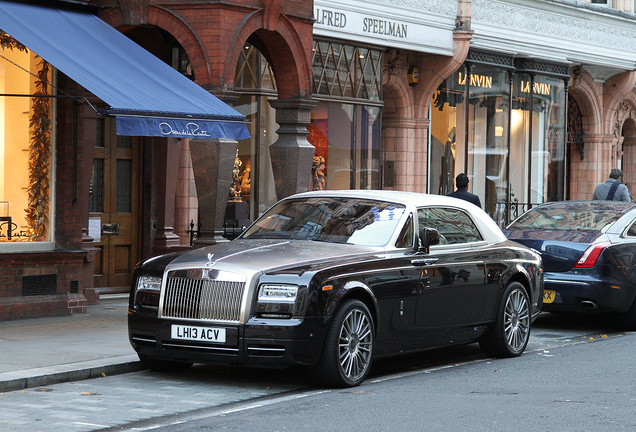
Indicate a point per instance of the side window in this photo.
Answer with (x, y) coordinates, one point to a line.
(453, 225)
(469, 228)
(405, 240)
(631, 232)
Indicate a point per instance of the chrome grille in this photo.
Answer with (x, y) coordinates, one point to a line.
(203, 299)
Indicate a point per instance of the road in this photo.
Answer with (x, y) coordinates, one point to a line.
(577, 374)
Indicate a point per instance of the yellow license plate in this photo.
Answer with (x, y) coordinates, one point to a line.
(549, 296)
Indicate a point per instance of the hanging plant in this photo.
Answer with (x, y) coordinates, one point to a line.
(37, 212)
(7, 42)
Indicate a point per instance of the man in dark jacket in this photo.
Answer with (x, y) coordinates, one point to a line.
(461, 181)
(613, 189)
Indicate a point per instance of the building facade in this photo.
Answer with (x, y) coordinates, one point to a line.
(534, 100)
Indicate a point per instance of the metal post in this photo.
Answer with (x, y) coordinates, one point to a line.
(566, 153)
(509, 148)
(467, 122)
(530, 143)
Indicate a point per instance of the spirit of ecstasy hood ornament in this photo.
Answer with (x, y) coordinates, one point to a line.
(210, 263)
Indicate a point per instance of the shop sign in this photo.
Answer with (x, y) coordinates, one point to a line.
(369, 24)
(358, 23)
(476, 80)
(131, 125)
(538, 88)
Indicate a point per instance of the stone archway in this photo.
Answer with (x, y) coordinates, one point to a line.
(288, 52)
(629, 154)
(583, 171)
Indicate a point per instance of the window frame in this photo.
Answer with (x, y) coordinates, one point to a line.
(458, 221)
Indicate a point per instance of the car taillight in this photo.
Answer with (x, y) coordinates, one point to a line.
(591, 254)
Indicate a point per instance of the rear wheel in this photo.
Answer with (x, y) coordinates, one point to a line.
(161, 365)
(348, 349)
(628, 319)
(509, 334)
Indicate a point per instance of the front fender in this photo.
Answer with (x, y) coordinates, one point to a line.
(350, 289)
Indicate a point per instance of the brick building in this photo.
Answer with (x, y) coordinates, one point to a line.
(531, 98)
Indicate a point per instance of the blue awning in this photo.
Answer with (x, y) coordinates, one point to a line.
(148, 97)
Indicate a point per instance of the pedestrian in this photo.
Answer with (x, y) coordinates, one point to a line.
(613, 189)
(461, 181)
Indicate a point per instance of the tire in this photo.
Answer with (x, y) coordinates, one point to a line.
(160, 365)
(627, 319)
(509, 334)
(348, 349)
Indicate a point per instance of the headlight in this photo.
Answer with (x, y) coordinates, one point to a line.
(277, 293)
(149, 283)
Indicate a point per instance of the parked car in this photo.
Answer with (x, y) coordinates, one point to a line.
(589, 255)
(334, 279)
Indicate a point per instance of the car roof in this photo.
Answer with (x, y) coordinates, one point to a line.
(617, 206)
(493, 232)
(400, 197)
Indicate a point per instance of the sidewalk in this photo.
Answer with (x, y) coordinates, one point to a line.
(42, 351)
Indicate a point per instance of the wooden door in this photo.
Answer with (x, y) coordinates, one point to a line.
(114, 205)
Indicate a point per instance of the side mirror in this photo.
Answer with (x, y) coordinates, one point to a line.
(428, 238)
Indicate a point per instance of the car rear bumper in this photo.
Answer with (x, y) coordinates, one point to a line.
(581, 293)
(263, 343)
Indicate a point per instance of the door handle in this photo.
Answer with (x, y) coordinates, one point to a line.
(110, 229)
(424, 261)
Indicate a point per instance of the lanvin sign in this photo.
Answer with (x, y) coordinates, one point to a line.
(388, 26)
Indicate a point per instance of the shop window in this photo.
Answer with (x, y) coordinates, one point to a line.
(345, 133)
(510, 145)
(347, 142)
(25, 145)
(347, 71)
(255, 81)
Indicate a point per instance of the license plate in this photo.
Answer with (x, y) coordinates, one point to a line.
(548, 296)
(203, 334)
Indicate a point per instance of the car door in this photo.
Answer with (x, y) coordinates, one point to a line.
(395, 284)
(452, 275)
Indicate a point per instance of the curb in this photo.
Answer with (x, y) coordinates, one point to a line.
(38, 377)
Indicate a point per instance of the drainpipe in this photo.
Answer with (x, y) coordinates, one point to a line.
(463, 20)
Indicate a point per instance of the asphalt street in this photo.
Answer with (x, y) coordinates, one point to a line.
(145, 400)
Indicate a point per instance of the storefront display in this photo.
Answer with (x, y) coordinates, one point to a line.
(25, 145)
(344, 126)
(507, 135)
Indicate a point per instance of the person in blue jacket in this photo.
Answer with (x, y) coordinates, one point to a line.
(461, 181)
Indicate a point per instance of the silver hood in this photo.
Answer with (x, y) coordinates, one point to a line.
(269, 255)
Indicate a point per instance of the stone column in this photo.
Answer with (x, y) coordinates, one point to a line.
(168, 150)
(212, 163)
(292, 155)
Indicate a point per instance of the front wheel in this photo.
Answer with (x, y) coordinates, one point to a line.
(509, 334)
(348, 348)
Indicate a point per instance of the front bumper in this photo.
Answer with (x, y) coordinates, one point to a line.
(259, 342)
(586, 292)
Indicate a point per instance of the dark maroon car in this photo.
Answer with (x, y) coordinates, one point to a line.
(332, 280)
(589, 255)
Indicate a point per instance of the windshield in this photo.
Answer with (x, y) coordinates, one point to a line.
(338, 220)
(558, 218)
